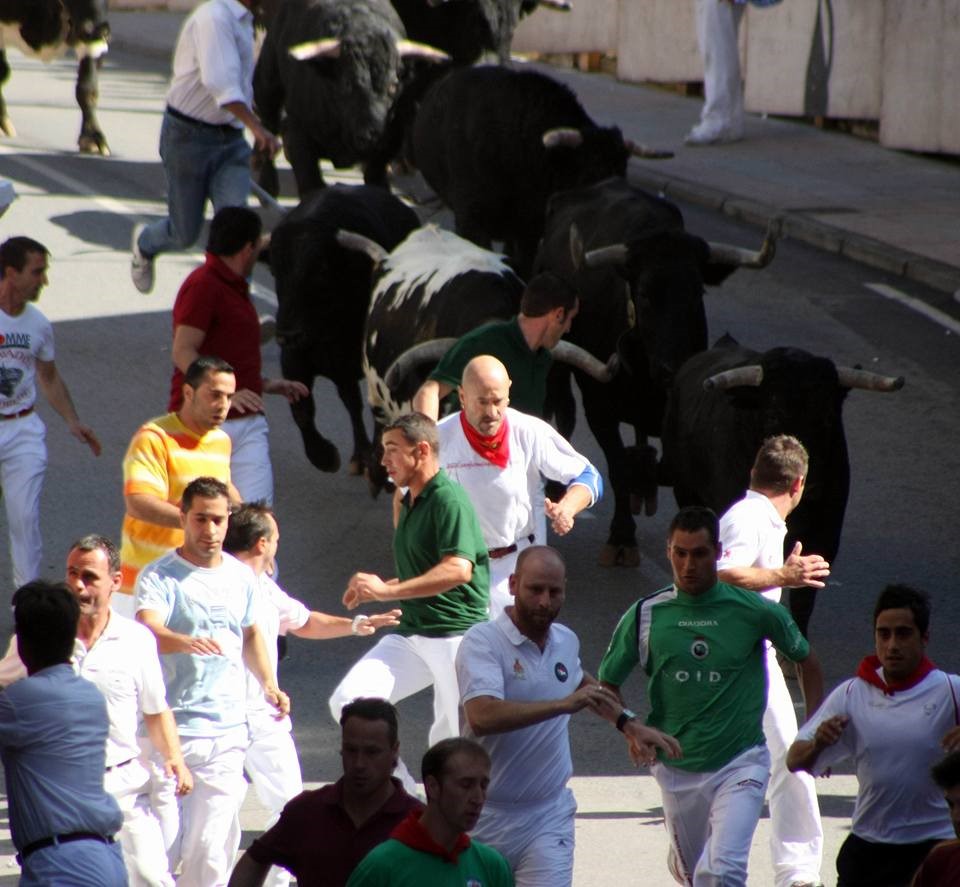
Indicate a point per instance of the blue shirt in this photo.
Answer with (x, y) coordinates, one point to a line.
(53, 738)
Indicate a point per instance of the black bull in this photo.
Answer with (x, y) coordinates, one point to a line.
(726, 401)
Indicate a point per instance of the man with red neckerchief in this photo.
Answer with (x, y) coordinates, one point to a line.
(433, 847)
(894, 719)
(498, 455)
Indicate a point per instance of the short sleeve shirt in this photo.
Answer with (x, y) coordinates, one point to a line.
(703, 655)
(504, 340)
(751, 535)
(206, 693)
(441, 522)
(24, 340)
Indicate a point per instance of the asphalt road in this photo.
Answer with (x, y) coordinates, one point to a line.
(113, 349)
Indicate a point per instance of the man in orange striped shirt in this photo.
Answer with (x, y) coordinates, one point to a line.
(166, 454)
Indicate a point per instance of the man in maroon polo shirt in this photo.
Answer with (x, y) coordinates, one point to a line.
(214, 315)
(322, 835)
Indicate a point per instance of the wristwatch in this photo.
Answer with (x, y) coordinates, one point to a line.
(625, 715)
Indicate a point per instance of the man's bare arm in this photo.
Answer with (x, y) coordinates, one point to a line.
(428, 397)
(449, 573)
(173, 642)
(248, 873)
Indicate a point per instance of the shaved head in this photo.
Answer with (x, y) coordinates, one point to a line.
(537, 554)
(485, 393)
(484, 371)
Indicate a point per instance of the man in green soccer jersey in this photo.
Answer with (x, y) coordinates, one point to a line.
(700, 642)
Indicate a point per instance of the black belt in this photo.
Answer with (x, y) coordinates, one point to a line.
(62, 839)
(497, 553)
(118, 766)
(225, 128)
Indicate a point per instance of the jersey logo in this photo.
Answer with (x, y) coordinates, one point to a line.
(699, 649)
(15, 340)
(473, 882)
(560, 670)
(9, 379)
(518, 672)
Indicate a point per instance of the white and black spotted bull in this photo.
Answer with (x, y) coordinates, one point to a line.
(725, 402)
(46, 29)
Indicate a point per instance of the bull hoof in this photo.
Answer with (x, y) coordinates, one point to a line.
(93, 145)
(323, 455)
(619, 556)
(7, 127)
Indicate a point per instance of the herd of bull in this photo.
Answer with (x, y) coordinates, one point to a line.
(365, 291)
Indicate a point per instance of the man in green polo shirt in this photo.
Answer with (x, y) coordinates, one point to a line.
(443, 580)
(522, 344)
(701, 644)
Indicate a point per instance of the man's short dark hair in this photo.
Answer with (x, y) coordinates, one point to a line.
(946, 773)
(204, 488)
(205, 363)
(14, 252)
(779, 462)
(416, 428)
(248, 525)
(231, 229)
(371, 708)
(694, 518)
(96, 542)
(46, 616)
(905, 597)
(435, 760)
(545, 293)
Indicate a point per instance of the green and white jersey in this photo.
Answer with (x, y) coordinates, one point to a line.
(704, 657)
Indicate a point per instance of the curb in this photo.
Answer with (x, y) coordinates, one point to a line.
(821, 235)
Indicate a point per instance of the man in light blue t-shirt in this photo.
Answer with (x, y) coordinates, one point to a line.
(199, 602)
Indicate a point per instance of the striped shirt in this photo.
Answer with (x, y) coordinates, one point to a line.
(163, 457)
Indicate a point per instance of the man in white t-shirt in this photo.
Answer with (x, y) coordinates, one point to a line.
(895, 719)
(271, 759)
(498, 456)
(200, 605)
(26, 363)
(751, 539)
(520, 680)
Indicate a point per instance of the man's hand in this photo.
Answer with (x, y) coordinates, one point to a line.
(84, 433)
(176, 768)
(951, 742)
(595, 697)
(246, 401)
(363, 587)
(560, 519)
(288, 388)
(200, 646)
(829, 732)
(264, 140)
(371, 623)
(643, 742)
(809, 570)
(278, 699)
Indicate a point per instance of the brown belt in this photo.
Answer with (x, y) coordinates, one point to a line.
(20, 415)
(497, 553)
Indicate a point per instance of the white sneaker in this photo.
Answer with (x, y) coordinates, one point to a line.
(712, 134)
(141, 266)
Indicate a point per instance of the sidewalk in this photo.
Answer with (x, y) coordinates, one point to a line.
(890, 210)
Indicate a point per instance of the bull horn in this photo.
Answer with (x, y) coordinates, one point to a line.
(749, 375)
(607, 255)
(325, 48)
(562, 137)
(745, 258)
(581, 359)
(266, 199)
(637, 149)
(421, 50)
(425, 352)
(576, 247)
(358, 243)
(558, 5)
(851, 377)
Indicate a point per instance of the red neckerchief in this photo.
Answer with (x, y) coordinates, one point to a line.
(495, 448)
(414, 835)
(870, 671)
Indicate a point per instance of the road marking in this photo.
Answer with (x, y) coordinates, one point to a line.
(928, 311)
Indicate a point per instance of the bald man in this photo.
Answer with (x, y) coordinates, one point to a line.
(498, 455)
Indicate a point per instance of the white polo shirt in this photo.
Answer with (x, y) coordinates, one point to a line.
(532, 764)
(893, 740)
(504, 498)
(751, 535)
(276, 614)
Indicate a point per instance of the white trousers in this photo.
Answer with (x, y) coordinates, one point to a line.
(23, 460)
(796, 833)
(711, 817)
(399, 666)
(718, 22)
(144, 852)
(274, 769)
(536, 839)
(250, 467)
(209, 830)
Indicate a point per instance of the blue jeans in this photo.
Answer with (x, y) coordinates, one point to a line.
(199, 162)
